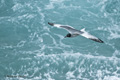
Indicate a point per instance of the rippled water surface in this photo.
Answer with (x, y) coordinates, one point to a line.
(30, 49)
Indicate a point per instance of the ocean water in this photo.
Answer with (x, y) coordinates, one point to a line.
(30, 49)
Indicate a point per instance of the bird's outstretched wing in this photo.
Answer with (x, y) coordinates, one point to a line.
(89, 36)
(77, 32)
(68, 28)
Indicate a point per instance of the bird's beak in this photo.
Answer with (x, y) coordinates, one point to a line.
(65, 36)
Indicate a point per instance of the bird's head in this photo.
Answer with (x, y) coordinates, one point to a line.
(68, 35)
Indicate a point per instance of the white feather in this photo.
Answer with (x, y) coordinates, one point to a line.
(87, 35)
(57, 25)
(83, 29)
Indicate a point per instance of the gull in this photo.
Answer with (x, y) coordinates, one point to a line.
(74, 32)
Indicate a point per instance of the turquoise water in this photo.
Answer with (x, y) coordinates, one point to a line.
(30, 49)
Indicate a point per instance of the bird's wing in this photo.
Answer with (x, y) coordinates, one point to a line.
(68, 28)
(89, 36)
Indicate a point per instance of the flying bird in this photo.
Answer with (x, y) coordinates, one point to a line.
(74, 32)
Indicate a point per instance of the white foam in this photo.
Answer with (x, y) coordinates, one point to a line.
(49, 6)
(71, 64)
(57, 1)
(99, 74)
(21, 43)
(114, 35)
(116, 53)
(77, 55)
(70, 75)
(17, 7)
(111, 78)
(52, 2)
(7, 47)
(114, 32)
(47, 75)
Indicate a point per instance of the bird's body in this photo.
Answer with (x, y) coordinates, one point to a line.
(74, 32)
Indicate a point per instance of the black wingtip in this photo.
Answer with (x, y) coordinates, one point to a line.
(52, 24)
(101, 41)
(98, 40)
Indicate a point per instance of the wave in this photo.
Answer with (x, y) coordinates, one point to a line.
(38, 51)
(68, 66)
